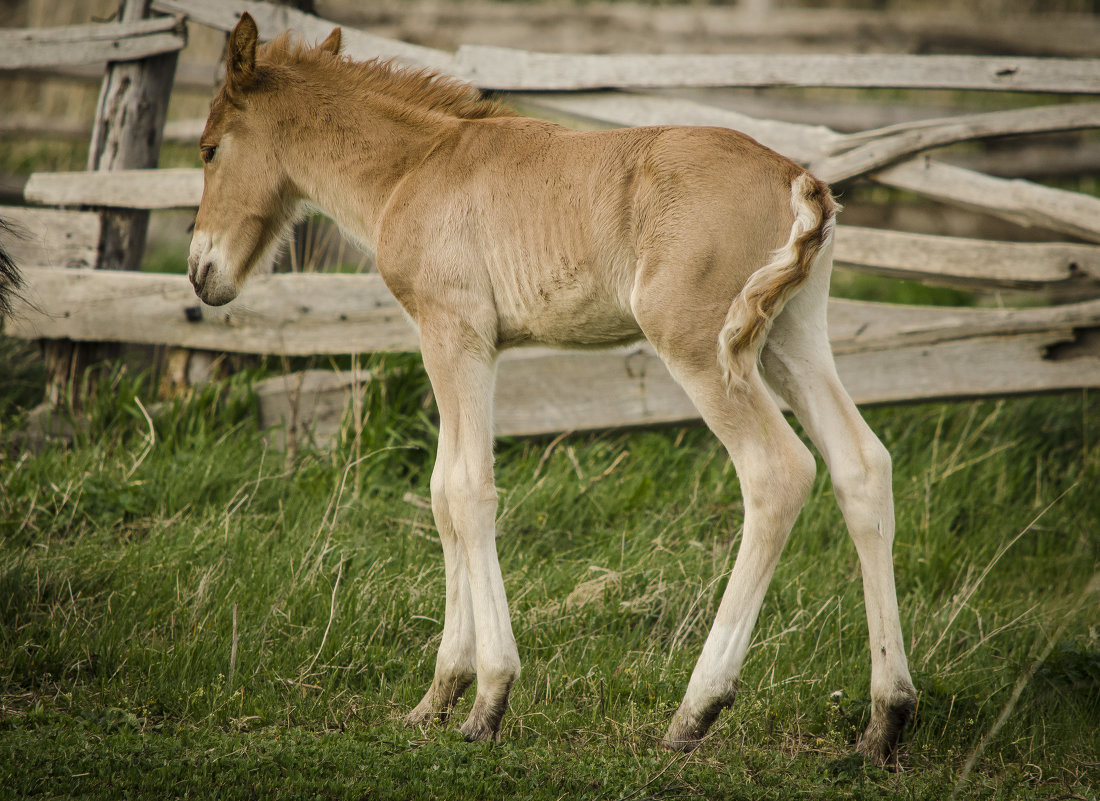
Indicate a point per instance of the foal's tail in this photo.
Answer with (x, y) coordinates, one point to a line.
(768, 289)
(10, 280)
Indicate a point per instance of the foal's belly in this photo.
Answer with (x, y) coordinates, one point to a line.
(566, 305)
(580, 326)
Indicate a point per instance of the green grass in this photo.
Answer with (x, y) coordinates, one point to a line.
(129, 558)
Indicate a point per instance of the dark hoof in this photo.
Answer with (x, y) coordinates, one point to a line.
(687, 731)
(422, 716)
(880, 742)
(478, 728)
(483, 722)
(437, 703)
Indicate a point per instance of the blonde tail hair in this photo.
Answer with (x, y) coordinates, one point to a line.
(750, 315)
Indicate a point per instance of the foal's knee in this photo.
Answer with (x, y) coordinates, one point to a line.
(863, 483)
(801, 470)
(779, 493)
(441, 510)
(471, 500)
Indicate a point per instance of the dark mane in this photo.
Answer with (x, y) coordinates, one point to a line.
(423, 89)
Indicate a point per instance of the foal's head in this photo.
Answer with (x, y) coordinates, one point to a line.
(248, 200)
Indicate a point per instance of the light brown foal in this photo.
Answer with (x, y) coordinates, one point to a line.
(495, 230)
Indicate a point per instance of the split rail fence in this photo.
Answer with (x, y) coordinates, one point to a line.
(885, 352)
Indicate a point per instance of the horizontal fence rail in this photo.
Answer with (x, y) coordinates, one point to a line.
(175, 188)
(304, 314)
(520, 70)
(885, 353)
(67, 237)
(73, 45)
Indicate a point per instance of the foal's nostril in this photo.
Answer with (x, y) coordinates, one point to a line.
(198, 276)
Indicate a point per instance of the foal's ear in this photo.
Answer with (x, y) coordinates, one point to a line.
(332, 43)
(240, 59)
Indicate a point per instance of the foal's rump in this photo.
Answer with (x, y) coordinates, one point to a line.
(769, 288)
(729, 231)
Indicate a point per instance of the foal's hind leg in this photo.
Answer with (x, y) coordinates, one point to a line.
(798, 362)
(776, 472)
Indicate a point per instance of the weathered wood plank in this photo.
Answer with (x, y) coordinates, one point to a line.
(906, 255)
(501, 68)
(977, 262)
(129, 189)
(310, 313)
(730, 28)
(872, 149)
(307, 406)
(858, 326)
(54, 237)
(805, 144)
(188, 130)
(126, 134)
(50, 48)
(70, 238)
(1022, 159)
(541, 391)
(1018, 201)
(32, 124)
(302, 314)
(505, 68)
(544, 392)
(1008, 365)
(272, 19)
(885, 353)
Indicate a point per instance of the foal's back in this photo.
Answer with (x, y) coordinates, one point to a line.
(556, 228)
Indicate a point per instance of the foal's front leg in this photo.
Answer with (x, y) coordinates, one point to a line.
(465, 504)
(456, 661)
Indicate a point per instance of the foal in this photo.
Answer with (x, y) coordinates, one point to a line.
(494, 230)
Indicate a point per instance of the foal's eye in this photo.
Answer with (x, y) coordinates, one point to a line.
(207, 153)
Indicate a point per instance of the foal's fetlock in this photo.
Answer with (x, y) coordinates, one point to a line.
(889, 718)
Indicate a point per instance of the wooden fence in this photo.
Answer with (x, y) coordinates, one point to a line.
(885, 353)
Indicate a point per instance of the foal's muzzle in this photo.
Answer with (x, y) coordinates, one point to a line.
(206, 270)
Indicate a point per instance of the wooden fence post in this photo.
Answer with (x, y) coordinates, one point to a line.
(127, 134)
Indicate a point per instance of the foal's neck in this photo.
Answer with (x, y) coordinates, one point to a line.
(349, 149)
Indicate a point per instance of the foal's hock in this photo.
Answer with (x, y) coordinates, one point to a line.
(494, 230)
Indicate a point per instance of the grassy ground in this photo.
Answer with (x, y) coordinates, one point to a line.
(184, 614)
